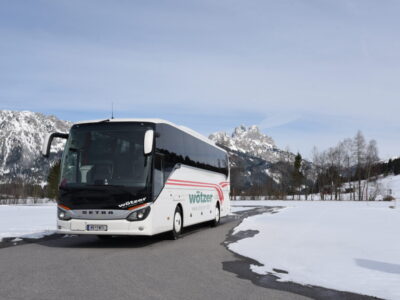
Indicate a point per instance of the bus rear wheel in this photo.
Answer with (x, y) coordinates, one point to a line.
(178, 223)
(217, 217)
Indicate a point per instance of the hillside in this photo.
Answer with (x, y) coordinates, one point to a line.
(251, 141)
(21, 138)
(258, 166)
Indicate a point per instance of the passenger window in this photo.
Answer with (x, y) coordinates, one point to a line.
(158, 174)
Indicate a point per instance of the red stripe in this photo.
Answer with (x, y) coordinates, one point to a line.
(183, 184)
(137, 206)
(64, 207)
(219, 191)
(198, 184)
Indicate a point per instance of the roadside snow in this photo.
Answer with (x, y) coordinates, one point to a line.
(347, 246)
(392, 183)
(309, 203)
(27, 221)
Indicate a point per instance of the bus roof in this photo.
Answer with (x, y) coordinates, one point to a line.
(158, 121)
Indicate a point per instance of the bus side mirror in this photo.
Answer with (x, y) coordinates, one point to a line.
(148, 141)
(48, 139)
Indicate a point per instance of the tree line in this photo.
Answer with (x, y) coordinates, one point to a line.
(350, 168)
(347, 171)
(20, 192)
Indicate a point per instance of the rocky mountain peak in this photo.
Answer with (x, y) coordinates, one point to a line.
(250, 140)
(21, 138)
(252, 133)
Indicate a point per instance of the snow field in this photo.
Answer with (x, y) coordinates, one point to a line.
(347, 246)
(27, 221)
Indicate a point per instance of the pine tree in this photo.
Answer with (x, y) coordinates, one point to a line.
(389, 167)
(297, 175)
(297, 162)
(53, 180)
(396, 166)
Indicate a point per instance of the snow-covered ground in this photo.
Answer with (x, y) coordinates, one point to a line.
(347, 246)
(7, 200)
(392, 184)
(31, 221)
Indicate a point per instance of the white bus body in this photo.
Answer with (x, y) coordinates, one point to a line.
(185, 173)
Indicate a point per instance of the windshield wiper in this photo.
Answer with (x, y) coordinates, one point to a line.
(72, 149)
(110, 185)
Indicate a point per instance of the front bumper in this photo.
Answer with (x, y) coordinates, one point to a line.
(114, 227)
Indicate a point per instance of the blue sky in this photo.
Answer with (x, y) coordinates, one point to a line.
(307, 72)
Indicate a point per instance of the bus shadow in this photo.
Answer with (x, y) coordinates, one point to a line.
(92, 242)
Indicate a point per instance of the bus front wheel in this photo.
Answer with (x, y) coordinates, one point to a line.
(178, 223)
(217, 217)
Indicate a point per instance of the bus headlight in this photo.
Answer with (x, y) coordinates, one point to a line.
(139, 215)
(63, 215)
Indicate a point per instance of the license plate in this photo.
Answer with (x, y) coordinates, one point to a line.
(96, 227)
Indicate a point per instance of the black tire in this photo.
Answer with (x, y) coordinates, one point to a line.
(217, 219)
(177, 223)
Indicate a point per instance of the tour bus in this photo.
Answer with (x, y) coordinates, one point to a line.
(138, 177)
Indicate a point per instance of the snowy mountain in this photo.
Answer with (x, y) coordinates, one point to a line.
(251, 141)
(21, 138)
(257, 164)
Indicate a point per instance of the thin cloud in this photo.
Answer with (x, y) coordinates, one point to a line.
(277, 120)
(207, 65)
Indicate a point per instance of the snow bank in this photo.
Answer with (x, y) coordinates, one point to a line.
(347, 246)
(27, 221)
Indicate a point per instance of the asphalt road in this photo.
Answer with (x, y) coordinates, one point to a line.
(196, 266)
(128, 268)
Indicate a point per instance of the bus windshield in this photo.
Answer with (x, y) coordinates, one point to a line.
(106, 154)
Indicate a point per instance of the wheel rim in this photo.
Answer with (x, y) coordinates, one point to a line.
(177, 222)
(217, 214)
